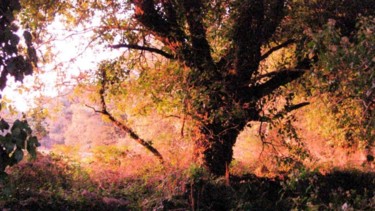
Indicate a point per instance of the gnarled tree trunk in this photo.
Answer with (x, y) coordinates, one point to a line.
(223, 95)
(216, 150)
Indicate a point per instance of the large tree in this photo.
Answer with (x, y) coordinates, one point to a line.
(224, 93)
(220, 44)
(226, 89)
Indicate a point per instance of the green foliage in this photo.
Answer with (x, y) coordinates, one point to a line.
(305, 189)
(58, 182)
(12, 62)
(197, 173)
(38, 117)
(54, 183)
(291, 140)
(14, 141)
(109, 155)
(116, 75)
(343, 80)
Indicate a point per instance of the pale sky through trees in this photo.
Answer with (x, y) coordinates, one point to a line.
(74, 54)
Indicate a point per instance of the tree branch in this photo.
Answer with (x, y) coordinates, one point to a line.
(166, 30)
(290, 108)
(278, 47)
(170, 12)
(201, 47)
(163, 28)
(247, 39)
(276, 80)
(146, 13)
(144, 48)
(256, 22)
(127, 129)
(94, 109)
(274, 13)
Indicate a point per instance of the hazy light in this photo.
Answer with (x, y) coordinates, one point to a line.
(74, 55)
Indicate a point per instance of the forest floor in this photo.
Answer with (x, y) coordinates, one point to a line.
(56, 182)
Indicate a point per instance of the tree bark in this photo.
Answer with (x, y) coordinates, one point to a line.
(216, 150)
(223, 95)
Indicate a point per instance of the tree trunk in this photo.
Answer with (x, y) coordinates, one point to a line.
(214, 146)
(223, 95)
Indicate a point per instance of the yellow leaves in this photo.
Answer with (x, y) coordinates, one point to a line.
(83, 5)
(105, 119)
(71, 150)
(109, 155)
(283, 58)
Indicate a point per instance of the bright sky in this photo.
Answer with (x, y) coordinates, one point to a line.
(67, 46)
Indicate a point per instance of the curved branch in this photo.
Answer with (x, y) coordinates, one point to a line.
(281, 114)
(278, 47)
(127, 129)
(277, 80)
(144, 48)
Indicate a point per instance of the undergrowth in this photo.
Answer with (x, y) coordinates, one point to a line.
(55, 182)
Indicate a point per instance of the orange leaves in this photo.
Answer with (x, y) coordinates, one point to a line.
(139, 11)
